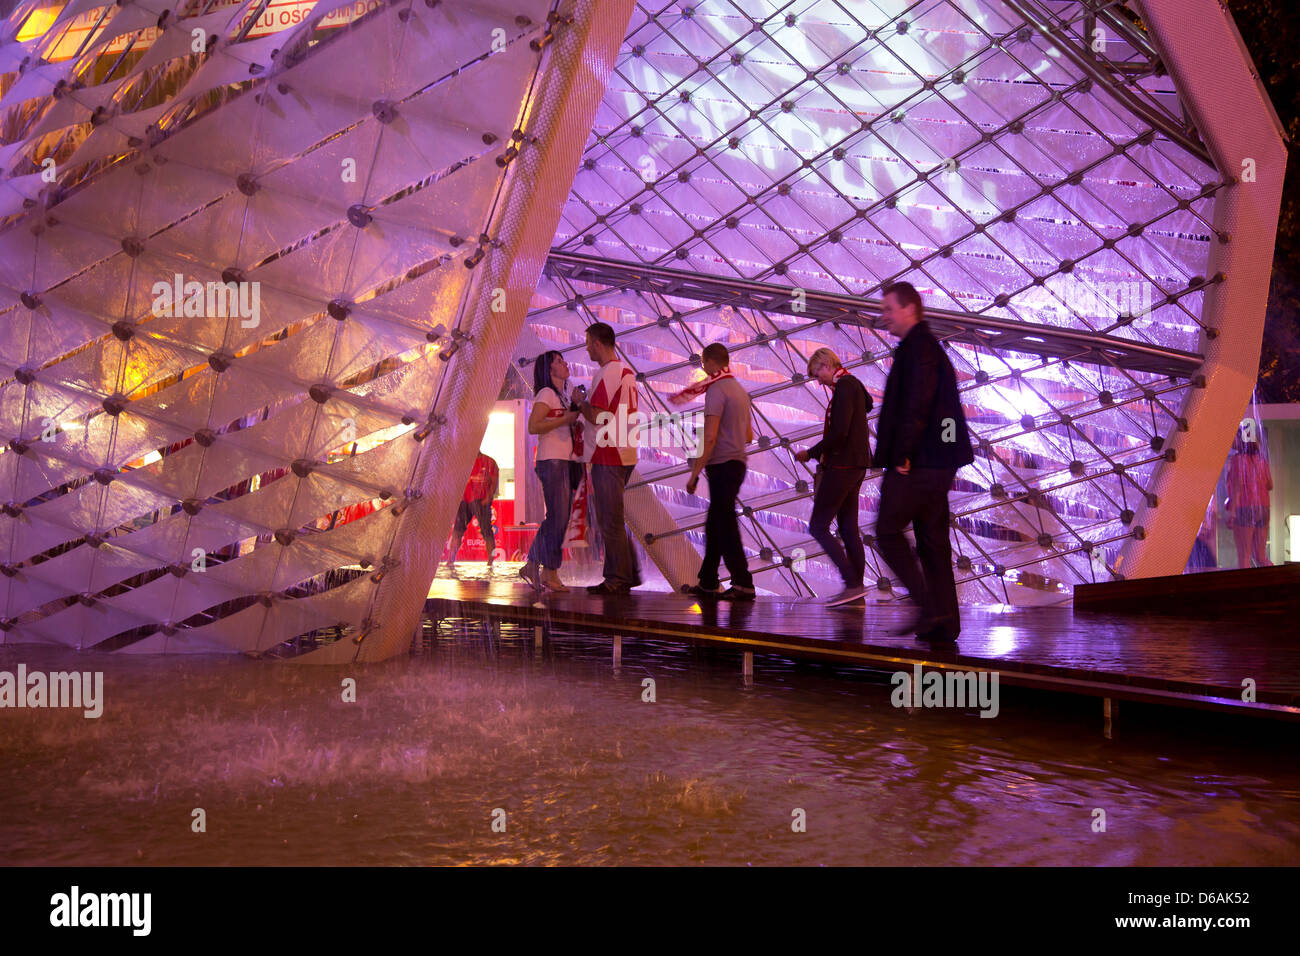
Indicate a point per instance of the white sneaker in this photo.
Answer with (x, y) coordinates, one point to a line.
(848, 594)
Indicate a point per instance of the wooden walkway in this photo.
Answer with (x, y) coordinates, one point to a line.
(1178, 662)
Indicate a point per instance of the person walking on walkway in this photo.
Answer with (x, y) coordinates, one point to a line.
(476, 505)
(727, 430)
(554, 419)
(844, 454)
(613, 409)
(1249, 483)
(921, 441)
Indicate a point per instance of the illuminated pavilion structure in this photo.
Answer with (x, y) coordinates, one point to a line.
(422, 192)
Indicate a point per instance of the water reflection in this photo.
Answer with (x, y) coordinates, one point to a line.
(588, 773)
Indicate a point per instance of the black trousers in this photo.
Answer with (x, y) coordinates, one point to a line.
(921, 500)
(721, 529)
(837, 497)
(480, 511)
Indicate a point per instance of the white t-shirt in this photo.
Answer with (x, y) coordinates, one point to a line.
(558, 442)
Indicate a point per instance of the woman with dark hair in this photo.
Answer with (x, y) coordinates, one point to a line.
(554, 419)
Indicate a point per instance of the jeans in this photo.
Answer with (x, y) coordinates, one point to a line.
(837, 497)
(608, 483)
(921, 500)
(721, 529)
(557, 489)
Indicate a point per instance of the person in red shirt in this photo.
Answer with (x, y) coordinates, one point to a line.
(613, 409)
(1249, 483)
(476, 504)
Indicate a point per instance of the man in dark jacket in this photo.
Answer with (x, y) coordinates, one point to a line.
(921, 441)
(845, 454)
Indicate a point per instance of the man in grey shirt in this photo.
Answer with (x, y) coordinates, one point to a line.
(727, 431)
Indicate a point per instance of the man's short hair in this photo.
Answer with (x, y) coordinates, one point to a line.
(717, 352)
(906, 295)
(602, 333)
(823, 354)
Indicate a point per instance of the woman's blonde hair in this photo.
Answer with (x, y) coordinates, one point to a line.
(823, 355)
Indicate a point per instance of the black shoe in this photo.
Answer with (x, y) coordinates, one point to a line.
(937, 634)
(734, 593)
(857, 604)
(604, 587)
(696, 590)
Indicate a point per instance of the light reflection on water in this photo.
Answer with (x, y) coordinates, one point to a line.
(587, 773)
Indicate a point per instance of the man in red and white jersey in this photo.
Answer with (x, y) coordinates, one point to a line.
(612, 408)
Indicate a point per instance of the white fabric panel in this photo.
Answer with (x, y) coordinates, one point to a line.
(33, 589)
(301, 358)
(185, 404)
(169, 598)
(99, 293)
(79, 626)
(130, 18)
(182, 642)
(75, 107)
(64, 249)
(90, 569)
(113, 137)
(243, 230)
(140, 205)
(31, 534)
(446, 124)
(19, 189)
(35, 82)
(35, 337)
(401, 389)
(292, 133)
(327, 490)
(231, 64)
(455, 33)
(239, 393)
(100, 508)
(453, 205)
(329, 178)
(424, 302)
(178, 38)
(258, 628)
(362, 342)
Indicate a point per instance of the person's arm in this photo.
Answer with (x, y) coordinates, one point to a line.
(539, 423)
(711, 424)
(918, 402)
(589, 411)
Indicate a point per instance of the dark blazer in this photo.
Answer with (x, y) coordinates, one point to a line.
(920, 396)
(845, 442)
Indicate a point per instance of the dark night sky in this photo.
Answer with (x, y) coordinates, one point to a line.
(1271, 29)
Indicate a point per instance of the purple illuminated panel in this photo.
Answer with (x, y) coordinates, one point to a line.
(835, 147)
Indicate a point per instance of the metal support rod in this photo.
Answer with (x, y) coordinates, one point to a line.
(1095, 348)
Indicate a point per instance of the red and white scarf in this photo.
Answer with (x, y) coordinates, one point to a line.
(575, 427)
(696, 389)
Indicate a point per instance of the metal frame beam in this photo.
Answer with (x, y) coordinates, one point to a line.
(813, 306)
